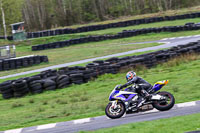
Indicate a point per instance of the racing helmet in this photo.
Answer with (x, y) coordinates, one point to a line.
(130, 75)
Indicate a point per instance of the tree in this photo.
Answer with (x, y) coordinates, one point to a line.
(3, 18)
(47, 14)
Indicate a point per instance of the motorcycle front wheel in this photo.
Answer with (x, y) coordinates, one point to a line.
(117, 112)
(166, 104)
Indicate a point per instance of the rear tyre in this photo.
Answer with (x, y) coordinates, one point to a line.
(164, 104)
(115, 113)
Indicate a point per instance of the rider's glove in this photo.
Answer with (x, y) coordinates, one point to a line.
(135, 86)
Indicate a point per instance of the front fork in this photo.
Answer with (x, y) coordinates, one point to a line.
(114, 104)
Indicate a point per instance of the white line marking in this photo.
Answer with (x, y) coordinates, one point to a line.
(30, 130)
(186, 104)
(172, 38)
(181, 37)
(81, 121)
(196, 35)
(164, 42)
(46, 126)
(161, 42)
(165, 39)
(14, 131)
(188, 36)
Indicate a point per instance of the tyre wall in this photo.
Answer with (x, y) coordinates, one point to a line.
(110, 25)
(123, 34)
(15, 63)
(46, 33)
(64, 77)
(8, 37)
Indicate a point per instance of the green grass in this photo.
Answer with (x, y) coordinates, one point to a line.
(90, 99)
(178, 124)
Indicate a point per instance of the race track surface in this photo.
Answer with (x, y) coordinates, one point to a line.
(100, 122)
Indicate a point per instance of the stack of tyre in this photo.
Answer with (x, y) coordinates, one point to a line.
(49, 84)
(15, 63)
(6, 89)
(20, 87)
(35, 84)
(78, 74)
(123, 34)
(111, 25)
(8, 37)
(77, 78)
(62, 81)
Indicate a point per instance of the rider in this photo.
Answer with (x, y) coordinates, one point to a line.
(141, 86)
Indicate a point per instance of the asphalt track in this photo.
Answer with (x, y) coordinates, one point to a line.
(100, 122)
(168, 42)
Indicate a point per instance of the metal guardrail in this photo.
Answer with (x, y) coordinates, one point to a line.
(7, 52)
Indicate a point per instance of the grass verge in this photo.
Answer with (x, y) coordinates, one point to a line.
(90, 99)
(178, 124)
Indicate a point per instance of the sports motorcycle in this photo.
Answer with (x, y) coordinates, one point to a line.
(122, 102)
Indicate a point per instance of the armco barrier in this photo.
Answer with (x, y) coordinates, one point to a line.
(56, 79)
(123, 34)
(111, 25)
(15, 63)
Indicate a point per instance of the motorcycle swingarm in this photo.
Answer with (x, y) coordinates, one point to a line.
(157, 97)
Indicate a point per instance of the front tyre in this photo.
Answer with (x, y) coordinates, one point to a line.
(117, 112)
(166, 104)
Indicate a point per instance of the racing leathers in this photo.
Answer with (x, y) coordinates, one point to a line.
(142, 87)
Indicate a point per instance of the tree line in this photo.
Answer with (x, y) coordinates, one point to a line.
(47, 14)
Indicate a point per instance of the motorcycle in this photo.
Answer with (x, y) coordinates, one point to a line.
(122, 102)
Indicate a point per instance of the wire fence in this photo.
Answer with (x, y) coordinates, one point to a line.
(7, 52)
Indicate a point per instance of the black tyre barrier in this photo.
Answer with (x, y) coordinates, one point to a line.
(20, 88)
(6, 90)
(15, 63)
(63, 81)
(49, 84)
(8, 37)
(77, 78)
(111, 25)
(123, 34)
(35, 85)
(64, 77)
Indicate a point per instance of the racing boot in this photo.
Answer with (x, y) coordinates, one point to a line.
(145, 97)
(141, 101)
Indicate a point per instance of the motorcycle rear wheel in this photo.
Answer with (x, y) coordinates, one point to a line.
(166, 104)
(115, 113)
